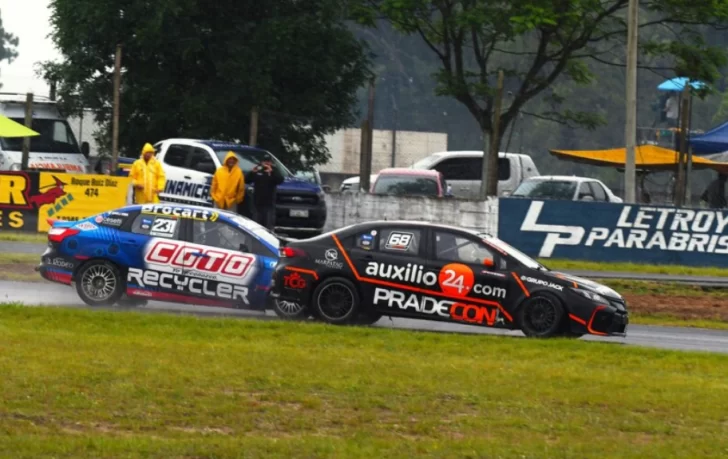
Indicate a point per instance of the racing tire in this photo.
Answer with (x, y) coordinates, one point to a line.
(336, 301)
(542, 316)
(99, 283)
(288, 310)
(368, 318)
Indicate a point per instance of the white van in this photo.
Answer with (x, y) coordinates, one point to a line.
(463, 171)
(55, 148)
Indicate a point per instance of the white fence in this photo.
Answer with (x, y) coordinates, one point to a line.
(349, 208)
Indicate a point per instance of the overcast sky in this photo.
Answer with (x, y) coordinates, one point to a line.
(27, 20)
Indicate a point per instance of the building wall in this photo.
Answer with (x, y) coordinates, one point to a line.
(349, 208)
(410, 146)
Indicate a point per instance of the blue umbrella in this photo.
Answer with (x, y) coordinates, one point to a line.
(677, 84)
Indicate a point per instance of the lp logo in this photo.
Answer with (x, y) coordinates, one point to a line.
(557, 234)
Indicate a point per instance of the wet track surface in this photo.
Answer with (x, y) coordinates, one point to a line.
(660, 337)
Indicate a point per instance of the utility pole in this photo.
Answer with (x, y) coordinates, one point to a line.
(28, 124)
(115, 128)
(682, 132)
(489, 182)
(253, 139)
(630, 129)
(365, 169)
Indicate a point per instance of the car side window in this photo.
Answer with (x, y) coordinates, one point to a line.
(504, 169)
(163, 226)
(366, 240)
(598, 190)
(460, 168)
(223, 236)
(201, 160)
(176, 155)
(115, 219)
(459, 249)
(584, 191)
(400, 241)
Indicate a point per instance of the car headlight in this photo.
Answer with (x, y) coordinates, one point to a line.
(16, 167)
(588, 294)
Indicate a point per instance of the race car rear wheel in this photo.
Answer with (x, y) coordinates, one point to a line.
(336, 301)
(99, 283)
(541, 316)
(290, 310)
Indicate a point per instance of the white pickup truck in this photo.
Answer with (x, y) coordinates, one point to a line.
(463, 171)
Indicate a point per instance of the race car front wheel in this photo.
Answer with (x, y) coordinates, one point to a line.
(541, 316)
(99, 283)
(290, 310)
(336, 301)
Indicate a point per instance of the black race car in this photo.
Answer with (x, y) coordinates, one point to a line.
(357, 274)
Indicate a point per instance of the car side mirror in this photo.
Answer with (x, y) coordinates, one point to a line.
(85, 149)
(244, 248)
(326, 188)
(489, 263)
(587, 197)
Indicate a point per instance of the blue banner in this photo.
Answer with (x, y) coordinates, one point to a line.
(600, 231)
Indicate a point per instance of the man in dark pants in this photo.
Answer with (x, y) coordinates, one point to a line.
(265, 178)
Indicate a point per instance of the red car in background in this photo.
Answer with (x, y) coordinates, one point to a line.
(410, 182)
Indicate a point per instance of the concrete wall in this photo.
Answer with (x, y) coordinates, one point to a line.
(349, 208)
(410, 146)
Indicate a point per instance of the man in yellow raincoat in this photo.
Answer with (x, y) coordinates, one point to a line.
(148, 177)
(228, 184)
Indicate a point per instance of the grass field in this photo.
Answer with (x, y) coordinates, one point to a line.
(17, 236)
(99, 384)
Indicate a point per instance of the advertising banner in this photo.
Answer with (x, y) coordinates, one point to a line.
(600, 231)
(19, 201)
(73, 197)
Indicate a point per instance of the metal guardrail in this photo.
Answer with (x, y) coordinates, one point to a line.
(698, 281)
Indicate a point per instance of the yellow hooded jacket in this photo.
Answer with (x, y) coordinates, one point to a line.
(228, 185)
(150, 175)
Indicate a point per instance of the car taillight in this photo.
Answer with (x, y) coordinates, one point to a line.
(290, 252)
(59, 234)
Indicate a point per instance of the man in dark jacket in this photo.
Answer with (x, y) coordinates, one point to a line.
(714, 196)
(264, 178)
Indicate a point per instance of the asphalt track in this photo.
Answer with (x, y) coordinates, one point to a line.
(692, 339)
(703, 281)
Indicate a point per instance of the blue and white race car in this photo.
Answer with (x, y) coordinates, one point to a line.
(174, 253)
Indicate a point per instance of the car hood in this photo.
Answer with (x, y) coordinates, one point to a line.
(588, 284)
(297, 184)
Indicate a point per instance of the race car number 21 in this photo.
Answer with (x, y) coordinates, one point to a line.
(456, 279)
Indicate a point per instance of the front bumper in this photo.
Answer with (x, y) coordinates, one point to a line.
(602, 321)
(312, 222)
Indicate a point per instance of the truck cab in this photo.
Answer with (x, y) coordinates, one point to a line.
(189, 165)
(56, 148)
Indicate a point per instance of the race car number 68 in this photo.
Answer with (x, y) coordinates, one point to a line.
(456, 279)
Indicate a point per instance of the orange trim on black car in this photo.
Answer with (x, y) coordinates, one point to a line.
(523, 287)
(303, 271)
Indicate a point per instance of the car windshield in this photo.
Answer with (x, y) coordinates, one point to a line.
(425, 163)
(521, 257)
(406, 185)
(55, 136)
(550, 189)
(251, 158)
(308, 176)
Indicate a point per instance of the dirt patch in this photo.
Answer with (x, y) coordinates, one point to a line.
(19, 272)
(683, 307)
